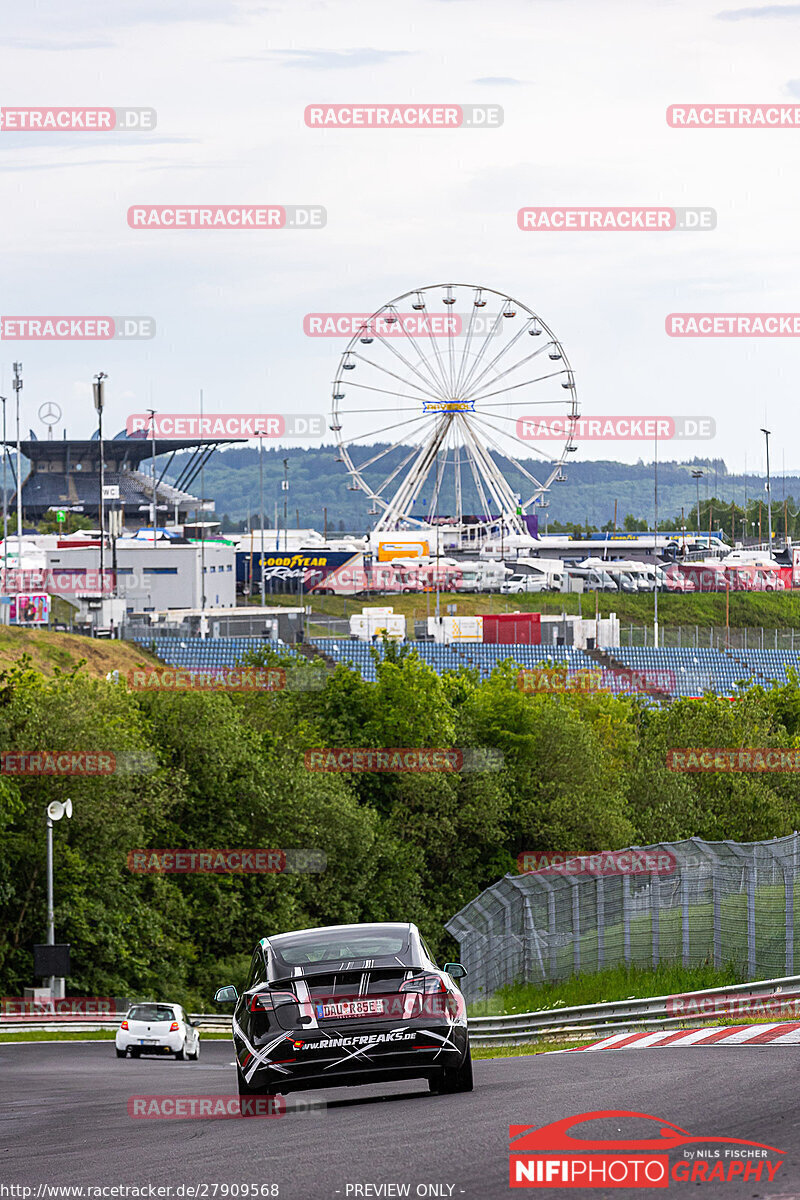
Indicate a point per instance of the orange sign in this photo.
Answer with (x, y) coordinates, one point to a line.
(389, 550)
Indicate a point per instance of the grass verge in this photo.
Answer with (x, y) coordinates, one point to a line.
(544, 1047)
(773, 610)
(616, 983)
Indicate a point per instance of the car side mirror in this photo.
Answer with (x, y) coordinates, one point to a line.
(455, 970)
(226, 995)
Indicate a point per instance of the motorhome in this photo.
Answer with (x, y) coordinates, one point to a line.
(741, 557)
(625, 579)
(551, 568)
(647, 576)
(595, 579)
(485, 575)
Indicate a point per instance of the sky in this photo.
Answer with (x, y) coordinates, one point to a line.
(584, 86)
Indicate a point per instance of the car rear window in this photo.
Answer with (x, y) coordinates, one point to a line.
(327, 945)
(151, 1012)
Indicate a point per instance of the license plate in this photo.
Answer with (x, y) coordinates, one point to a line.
(350, 1008)
(148, 1041)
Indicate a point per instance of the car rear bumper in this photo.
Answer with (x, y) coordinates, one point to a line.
(319, 1061)
(169, 1043)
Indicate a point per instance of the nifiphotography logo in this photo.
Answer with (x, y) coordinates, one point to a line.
(555, 1157)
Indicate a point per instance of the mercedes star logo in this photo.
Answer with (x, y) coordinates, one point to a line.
(49, 413)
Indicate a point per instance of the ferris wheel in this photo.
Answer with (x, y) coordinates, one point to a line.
(454, 404)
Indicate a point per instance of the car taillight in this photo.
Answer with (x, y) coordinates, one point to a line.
(174, 1027)
(124, 1025)
(436, 999)
(267, 1001)
(429, 984)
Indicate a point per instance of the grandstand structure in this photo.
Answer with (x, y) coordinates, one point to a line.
(660, 674)
(65, 474)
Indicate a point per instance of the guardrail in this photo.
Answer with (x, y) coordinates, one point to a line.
(47, 1022)
(616, 1015)
(514, 1028)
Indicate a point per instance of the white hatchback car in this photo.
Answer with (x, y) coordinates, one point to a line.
(155, 1028)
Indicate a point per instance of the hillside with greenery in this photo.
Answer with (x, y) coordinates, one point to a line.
(318, 481)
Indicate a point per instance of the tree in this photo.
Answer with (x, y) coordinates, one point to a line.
(73, 522)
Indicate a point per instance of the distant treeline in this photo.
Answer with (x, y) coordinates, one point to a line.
(579, 772)
(317, 482)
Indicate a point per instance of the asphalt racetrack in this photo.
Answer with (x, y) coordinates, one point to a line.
(64, 1121)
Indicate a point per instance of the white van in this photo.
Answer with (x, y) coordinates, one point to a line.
(531, 581)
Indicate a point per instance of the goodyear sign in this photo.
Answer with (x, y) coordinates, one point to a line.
(302, 559)
(309, 565)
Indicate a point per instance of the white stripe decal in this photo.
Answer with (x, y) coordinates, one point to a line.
(647, 1039)
(792, 1038)
(744, 1035)
(701, 1037)
(260, 1056)
(447, 1043)
(306, 1003)
(609, 1042)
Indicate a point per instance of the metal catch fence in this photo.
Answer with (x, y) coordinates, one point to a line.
(715, 902)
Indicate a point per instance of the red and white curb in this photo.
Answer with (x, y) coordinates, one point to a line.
(786, 1033)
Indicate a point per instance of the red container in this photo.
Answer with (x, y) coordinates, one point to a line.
(510, 629)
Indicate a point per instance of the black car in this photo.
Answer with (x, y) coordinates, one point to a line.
(348, 1005)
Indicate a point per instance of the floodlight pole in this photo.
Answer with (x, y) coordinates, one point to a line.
(51, 915)
(5, 502)
(285, 504)
(202, 536)
(697, 476)
(98, 388)
(261, 492)
(152, 413)
(766, 433)
(17, 390)
(655, 542)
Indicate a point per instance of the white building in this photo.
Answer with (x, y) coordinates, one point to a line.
(151, 578)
